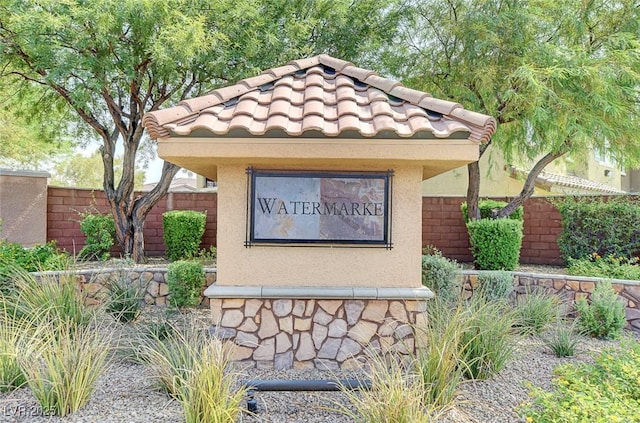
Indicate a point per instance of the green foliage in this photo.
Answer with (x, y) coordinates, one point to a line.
(100, 231)
(605, 316)
(535, 311)
(562, 340)
(183, 230)
(592, 225)
(489, 207)
(611, 266)
(495, 243)
(124, 298)
(495, 285)
(185, 280)
(62, 363)
(15, 258)
(80, 171)
(602, 392)
(487, 343)
(441, 275)
(11, 335)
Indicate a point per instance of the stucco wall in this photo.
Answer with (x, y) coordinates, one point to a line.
(319, 266)
(23, 206)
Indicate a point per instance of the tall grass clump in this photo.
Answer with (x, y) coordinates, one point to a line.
(11, 335)
(46, 299)
(397, 395)
(495, 285)
(441, 275)
(487, 343)
(208, 394)
(535, 311)
(562, 340)
(124, 298)
(438, 361)
(62, 362)
(603, 317)
(192, 367)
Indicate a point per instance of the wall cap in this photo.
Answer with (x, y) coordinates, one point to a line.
(559, 277)
(25, 173)
(314, 292)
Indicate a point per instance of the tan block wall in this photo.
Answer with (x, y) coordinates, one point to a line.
(319, 266)
(23, 206)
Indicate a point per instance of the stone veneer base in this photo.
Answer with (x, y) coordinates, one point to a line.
(328, 333)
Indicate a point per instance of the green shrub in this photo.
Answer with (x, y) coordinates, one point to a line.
(183, 230)
(40, 257)
(605, 316)
(602, 392)
(605, 267)
(185, 280)
(562, 340)
(487, 208)
(495, 285)
(441, 275)
(100, 231)
(124, 298)
(535, 311)
(591, 225)
(487, 343)
(495, 243)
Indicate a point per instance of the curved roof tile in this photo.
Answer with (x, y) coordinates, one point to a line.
(332, 97)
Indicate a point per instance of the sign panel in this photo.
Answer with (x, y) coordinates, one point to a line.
(307, 207)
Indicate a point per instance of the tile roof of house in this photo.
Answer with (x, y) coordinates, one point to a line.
(319, 97)
(547, 180)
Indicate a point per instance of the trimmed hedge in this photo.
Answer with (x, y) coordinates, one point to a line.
(495, 243)
(591, 225)
(185, 280)
(183, 230)
(486, 210)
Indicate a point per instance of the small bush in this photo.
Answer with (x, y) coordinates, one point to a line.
(605, 391)
(183, 230)
(591, 225)
(495, 285)
(124, 298)
(605, 267)
(495, 243)
(487, 208)
(100, 231)
(605, 316)
(185, 280)
(563, 340)
(40, 257)
(487, 343)
(441, 275)
(62, 363)
(535, 311)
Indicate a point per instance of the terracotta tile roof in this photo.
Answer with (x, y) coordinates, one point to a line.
(319, 97)
(547, 180)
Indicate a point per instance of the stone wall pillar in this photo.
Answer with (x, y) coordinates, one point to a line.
(304, 328)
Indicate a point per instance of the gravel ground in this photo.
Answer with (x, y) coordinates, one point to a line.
(126, 393)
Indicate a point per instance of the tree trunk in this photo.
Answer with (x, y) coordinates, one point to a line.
(473, 191)
(529, 185)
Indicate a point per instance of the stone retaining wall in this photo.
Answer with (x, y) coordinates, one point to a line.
(314, 333)
(153, 279)
(569, 288)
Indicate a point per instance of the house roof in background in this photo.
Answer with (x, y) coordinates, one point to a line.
(548, 180)
(177, 185)
(319, 97)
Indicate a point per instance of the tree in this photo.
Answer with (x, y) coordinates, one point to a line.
(112, 61)
(76, 170)
(560, 77)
